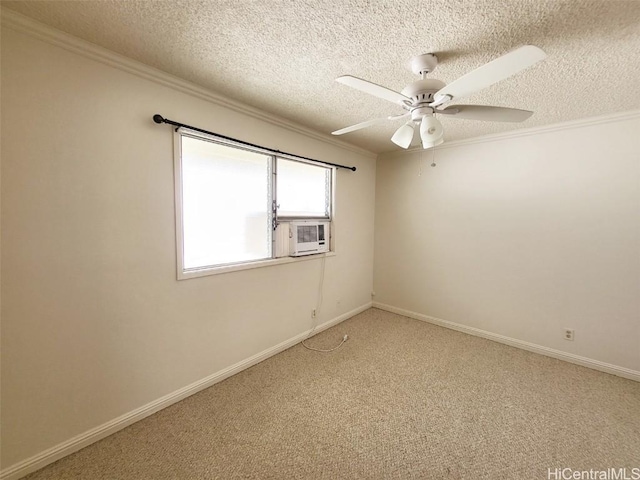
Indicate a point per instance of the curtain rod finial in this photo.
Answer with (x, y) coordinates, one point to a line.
(158, 118)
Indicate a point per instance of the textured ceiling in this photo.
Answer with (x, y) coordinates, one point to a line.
(283, 56)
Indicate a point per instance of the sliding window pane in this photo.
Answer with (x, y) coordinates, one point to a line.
(304, 190)
(226, 214)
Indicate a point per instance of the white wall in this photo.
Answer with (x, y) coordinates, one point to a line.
(94, 322)
(520, 236)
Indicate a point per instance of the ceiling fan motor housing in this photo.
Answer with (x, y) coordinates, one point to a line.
(421, 91)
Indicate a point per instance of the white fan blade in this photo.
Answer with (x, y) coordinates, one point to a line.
(490, 73)
(372, 89)
(368, 123)
(487, 113)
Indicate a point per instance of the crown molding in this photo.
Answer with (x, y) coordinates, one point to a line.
(45, 33)
(525, 132)
(52, 36)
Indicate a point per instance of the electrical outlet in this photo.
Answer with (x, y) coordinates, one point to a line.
(313, 313)
(568, 334)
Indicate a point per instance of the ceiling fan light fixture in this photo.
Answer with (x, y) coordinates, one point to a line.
(426, 145)
(420, 98)
(404, 135)
(431, 131)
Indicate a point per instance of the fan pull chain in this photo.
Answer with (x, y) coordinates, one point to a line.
(421, 161)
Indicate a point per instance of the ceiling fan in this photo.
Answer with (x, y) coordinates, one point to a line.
(425, 98)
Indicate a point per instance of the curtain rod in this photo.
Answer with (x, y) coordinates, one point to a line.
(160, 119)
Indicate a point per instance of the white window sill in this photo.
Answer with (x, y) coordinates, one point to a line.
(204, 272)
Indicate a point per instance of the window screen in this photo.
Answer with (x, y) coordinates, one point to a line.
(304, 190)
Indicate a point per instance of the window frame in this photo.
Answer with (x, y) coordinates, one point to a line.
(183, 273)
(328, 194)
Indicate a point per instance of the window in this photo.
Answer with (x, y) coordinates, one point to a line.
(304, 191)
(230, 198)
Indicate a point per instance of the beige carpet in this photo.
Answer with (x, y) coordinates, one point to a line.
(401, 399)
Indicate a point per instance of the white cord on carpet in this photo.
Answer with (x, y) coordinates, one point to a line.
(314, 324)
(344, 339)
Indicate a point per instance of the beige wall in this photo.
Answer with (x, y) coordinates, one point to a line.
(94, 322)
(520, 236)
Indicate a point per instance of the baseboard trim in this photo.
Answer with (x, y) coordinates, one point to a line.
(531, 347)
(98, 433)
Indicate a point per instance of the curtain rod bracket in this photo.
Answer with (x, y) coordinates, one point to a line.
(160, 119)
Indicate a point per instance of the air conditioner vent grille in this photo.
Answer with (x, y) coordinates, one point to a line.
(307, 233)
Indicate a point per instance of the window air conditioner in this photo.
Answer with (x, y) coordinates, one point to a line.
(307, 238)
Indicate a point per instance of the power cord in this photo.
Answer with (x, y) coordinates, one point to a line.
(314, 323)
(344, 339)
